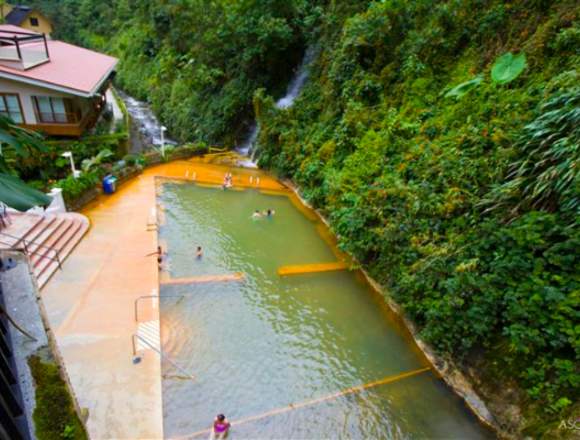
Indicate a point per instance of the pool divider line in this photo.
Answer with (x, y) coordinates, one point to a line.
(236, 276)
(295, 406)
(312, 268)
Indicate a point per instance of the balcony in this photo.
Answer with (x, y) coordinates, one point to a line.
(68, 123)
(23, 50)
(63, 124)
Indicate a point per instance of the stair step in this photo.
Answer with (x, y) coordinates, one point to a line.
(67, 245)
(38, 245)
(35, 233)
(19, 227)
(63, 239)
(148, 333)
(49, 246)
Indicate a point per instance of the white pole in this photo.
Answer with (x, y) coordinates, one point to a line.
(163, 128)
(69, 154)
(72, 165)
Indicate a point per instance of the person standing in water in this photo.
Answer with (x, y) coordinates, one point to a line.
(221, 427)
(228, 181)
(159, 252)
(199, 253)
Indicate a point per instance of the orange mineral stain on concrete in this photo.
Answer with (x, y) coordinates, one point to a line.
(90, 304)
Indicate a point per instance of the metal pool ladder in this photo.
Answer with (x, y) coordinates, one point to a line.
(158, 351)
(154, 346)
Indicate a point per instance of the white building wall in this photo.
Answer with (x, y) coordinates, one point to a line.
(27, 91)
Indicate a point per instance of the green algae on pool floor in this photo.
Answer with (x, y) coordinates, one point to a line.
(271, 341)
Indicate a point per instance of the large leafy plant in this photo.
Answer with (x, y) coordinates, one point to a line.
(17, 144)
(101, 157)
(505, 69)
(508, 67)
(546, 174)
(462, 89)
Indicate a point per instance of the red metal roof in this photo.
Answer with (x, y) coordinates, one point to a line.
(70, 67)
(10, 31)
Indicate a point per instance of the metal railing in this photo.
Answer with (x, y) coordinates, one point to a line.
(59, 118)
(26, 248)
(151, 296)
(160, 352)
(12, 418)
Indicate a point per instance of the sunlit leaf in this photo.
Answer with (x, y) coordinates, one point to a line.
(508, 67)
(463, 88)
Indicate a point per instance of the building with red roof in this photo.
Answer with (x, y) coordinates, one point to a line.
(51, 86)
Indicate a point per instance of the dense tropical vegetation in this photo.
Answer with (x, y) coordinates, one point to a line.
(198, 62)
(16, 145)
(441, 139)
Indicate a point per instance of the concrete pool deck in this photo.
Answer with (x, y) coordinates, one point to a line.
(90, 303)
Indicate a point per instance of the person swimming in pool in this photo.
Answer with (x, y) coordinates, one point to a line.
(221, 427)
(199, 253)
(256, 215)
(270, 213)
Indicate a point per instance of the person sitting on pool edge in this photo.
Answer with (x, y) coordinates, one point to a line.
(199, 253)
(221, 427)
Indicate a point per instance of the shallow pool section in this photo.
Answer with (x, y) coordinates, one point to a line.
(267, 342)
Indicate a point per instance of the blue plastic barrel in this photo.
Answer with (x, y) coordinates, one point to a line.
(109, 184)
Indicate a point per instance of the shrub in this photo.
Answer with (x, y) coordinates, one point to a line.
(73, 189)
(134, 159)
(54, 415)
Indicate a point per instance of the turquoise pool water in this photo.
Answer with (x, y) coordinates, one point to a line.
(271, 341)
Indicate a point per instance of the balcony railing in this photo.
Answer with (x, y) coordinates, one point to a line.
(23, 49)
(59, 118)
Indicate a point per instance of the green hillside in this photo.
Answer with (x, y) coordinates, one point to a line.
(450, 170)
(440, 138)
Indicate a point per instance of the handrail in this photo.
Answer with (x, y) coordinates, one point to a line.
(160, 352)
(25, 240)
(59, 117)
(28, 252)
(26, 244)
(151, 296)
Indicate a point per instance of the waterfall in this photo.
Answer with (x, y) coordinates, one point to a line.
(146, 128)
(247, 148)
(294, 88)
(297, 82)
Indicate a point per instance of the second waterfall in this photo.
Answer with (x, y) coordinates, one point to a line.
(248, 148)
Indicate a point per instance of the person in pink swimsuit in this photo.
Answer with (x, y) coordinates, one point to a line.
(221, 426)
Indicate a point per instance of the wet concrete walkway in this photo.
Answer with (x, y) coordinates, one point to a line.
(90, 303)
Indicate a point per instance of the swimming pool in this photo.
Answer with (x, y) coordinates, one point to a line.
(260, 344)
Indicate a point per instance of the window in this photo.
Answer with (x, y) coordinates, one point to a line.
(34, 21)
(10, 107)
(54, 110)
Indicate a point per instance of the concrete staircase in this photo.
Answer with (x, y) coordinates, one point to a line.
(48, 239)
